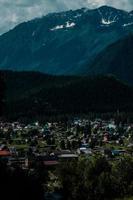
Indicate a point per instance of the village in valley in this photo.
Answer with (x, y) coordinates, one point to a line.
(49, 150)
(50, 143)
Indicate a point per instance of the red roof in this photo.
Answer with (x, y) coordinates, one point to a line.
(4, 153)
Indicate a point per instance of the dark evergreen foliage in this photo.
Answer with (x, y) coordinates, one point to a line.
(35, 95)
(95, 178)
(18, 184)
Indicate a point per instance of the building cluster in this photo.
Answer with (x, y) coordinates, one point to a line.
(50, 143)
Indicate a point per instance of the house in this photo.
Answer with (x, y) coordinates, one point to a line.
(5, 153)
(50, 162)
(68, 156)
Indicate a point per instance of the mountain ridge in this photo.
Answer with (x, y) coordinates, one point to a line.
(111, 61)
(62, 43)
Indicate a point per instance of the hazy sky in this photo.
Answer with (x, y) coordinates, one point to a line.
(14, 12)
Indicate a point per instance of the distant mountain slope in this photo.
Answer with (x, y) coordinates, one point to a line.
(61, 43)
(34, 94)
(117, 59)
(20, 85)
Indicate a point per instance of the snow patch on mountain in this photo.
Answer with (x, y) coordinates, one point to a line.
(128, 24)
(78, 15)
(57, 27)
(67, 25)
(107, 21)
(107, 18)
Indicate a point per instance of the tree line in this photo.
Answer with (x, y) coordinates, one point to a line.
(96, 178)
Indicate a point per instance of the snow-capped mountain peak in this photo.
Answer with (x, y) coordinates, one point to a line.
(111, 16)
(108, 17)
(47, 44)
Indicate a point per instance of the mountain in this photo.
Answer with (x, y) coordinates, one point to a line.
(32, 94)
(62, 43)
(116, 59)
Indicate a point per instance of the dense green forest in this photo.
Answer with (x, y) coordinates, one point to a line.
(97, 179)
(17, 183)
(34, 94)
(90, 178)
